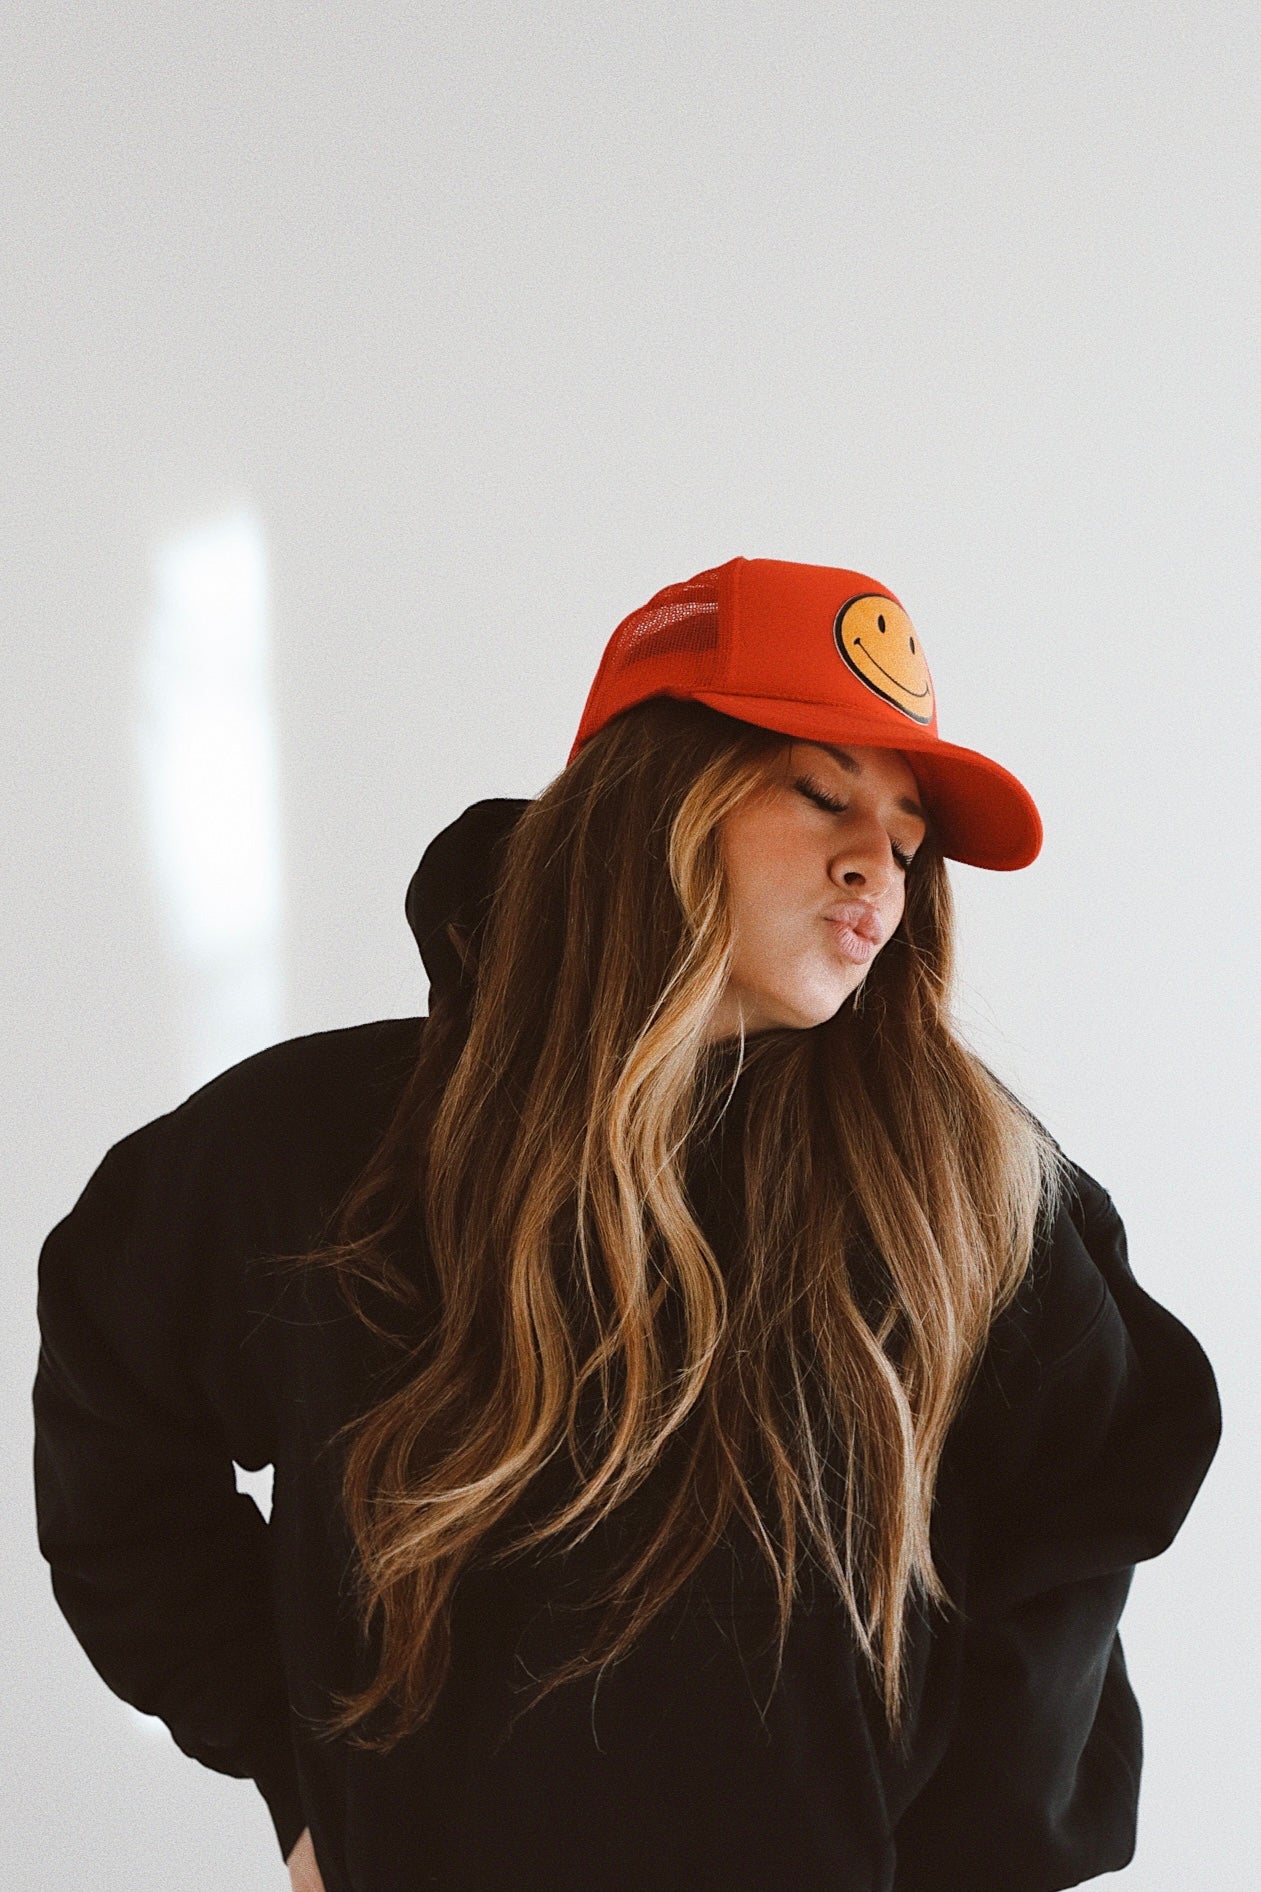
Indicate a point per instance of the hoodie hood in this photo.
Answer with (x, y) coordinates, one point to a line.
(454, 882)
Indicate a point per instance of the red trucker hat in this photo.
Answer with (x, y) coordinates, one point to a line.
(825, 655)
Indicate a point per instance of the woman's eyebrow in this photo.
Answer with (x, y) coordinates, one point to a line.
(853, 767)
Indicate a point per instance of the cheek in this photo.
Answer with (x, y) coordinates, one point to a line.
(893, 911)
(765, 873)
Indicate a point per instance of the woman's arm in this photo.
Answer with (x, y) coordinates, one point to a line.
(1038, 1785)
(304, 1873)
(159, 1565)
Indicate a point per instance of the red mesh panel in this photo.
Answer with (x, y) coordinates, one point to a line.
(681, 618)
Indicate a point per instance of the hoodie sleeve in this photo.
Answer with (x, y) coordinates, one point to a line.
(1102, 1447)
(142, 1402)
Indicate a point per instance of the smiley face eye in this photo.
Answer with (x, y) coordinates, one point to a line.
(912, 647)
(880, 621)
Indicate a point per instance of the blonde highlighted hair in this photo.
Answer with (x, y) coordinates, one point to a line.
(543, 1137)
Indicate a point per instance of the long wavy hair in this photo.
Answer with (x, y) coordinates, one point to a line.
(543, 1136)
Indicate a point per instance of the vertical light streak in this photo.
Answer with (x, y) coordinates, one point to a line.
(210, 785)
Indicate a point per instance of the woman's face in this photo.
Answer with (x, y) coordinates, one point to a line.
(816, 891)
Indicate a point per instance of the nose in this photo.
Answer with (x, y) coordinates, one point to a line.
(866, 867)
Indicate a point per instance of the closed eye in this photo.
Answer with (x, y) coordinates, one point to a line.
(822, 799)
(818, 795)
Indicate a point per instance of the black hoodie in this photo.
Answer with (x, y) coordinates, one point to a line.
(170, 1349)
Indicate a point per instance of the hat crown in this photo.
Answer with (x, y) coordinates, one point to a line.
(834, 639)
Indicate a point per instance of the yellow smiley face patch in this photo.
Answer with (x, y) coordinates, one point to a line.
(878, 642)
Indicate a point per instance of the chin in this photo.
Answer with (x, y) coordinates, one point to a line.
(806, 1016)
(838, 1006)
(767, 1010)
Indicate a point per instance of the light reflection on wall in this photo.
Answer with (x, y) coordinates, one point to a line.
(210, 785)
(210, 788)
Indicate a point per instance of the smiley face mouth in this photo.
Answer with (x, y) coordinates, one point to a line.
(895, 681)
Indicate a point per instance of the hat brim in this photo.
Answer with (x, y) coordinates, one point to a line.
(981, 814)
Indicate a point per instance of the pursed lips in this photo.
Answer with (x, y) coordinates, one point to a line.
(859, 918)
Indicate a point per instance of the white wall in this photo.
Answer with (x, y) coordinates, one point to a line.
(494, 320)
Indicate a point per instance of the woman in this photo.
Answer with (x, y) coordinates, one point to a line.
(714, 1426)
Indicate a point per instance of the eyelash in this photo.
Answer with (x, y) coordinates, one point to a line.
(834, 807)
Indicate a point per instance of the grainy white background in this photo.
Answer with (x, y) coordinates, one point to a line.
(496, 319)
